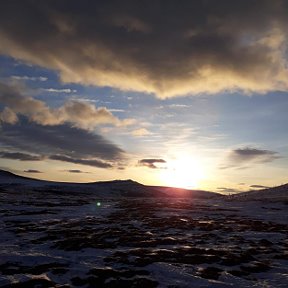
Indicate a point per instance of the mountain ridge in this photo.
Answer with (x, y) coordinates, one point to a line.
(133, 188)
(127, 187)
(7, 174)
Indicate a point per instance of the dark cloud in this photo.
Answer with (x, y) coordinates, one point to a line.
(75, 171)
(253, 154)
(62, 143)
(32, 171)
(89, 162)
(20, 156)
(240, 157)
(150, 163)
(60, 139)
(255, 186)
(163, 47)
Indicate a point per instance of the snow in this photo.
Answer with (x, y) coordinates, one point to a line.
(181, 242)
(279, 193)
(53, 237)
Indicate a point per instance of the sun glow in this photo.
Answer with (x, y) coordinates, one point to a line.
(184, 172)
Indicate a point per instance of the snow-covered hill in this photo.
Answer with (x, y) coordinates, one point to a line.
(121, 188)
(12, 181)
(8, 178)
(275, 193)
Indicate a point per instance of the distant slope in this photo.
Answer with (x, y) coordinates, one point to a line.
(275, 193)
(116, 188)
(180, 192)
(130, 188)
(8, 178)
(127, 188)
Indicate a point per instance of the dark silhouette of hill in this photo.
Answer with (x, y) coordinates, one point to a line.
(6, 175)
(275, 193)
(122, 188)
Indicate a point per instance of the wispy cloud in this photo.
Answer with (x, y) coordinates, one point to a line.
(77, 171)
(151, 163)
(178, 106)
(29, 78)
(90, 162)
(226, 190)
(256, 186)
(32, 171)
(117, 110)
(20, 156)
(54, 90)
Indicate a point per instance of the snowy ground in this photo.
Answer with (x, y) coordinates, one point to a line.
(64, 240)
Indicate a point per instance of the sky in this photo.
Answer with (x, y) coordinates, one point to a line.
(188, 94)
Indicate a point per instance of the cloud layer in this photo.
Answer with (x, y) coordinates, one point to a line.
(20, 156)
(80, 114)
(61, 143)
(246, 156)
(160, 47)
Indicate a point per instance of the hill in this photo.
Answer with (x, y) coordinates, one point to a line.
(274, 193)
(115, 188)
(186, 193)
(9, 178)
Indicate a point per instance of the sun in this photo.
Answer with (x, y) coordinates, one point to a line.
(184, 172)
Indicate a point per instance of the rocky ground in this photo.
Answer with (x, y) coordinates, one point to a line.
(79, 240)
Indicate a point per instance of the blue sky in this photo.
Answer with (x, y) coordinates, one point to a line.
(178, 115)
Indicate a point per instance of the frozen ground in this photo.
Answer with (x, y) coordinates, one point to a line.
(77, 240)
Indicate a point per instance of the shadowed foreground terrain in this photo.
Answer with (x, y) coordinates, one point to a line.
(78, 240)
